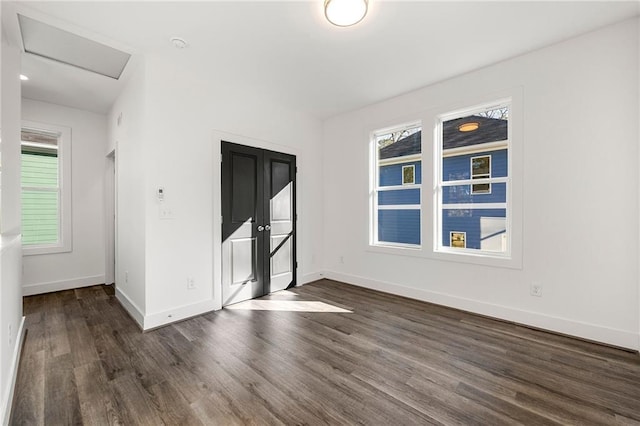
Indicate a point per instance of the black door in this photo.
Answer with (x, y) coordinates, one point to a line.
(258, 222)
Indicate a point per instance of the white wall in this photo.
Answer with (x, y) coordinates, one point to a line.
(580, 192)
(11, 321)
(85, 264)
(127, 126)
(188, 111)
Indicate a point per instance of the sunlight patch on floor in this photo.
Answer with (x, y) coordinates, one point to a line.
(284, 293)
(286, 305)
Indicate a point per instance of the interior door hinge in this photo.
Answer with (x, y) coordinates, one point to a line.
(296, 264)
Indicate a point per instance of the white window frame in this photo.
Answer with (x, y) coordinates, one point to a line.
(64, 243)
(432, 162)
(489, 156)
(439, 184)
(375, 188)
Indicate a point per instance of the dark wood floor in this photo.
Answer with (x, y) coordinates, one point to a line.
(392, 361)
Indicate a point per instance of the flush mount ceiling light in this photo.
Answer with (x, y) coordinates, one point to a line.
(344, 13)
(23, 77)
(469, 127)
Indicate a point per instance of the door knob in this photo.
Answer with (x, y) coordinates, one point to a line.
(260, 228)
(267, 227)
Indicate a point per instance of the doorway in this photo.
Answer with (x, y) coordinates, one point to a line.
(110, 218)
(258, 222)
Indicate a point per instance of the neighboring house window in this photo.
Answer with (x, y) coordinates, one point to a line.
(458, 239)
(473, 201)
(481, 169)
(45, 179)
(408, 175)
(396, 199)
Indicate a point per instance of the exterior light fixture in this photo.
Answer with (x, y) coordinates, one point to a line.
(344, 13)
(469, 127)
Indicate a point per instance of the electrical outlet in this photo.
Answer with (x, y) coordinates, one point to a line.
(126, 277)
(191, 283)
(536, 289)
(10, 335)
(341, 259)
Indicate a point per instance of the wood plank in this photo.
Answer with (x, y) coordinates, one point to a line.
(133, 402)
(96, 401)
(390, 360)
(81, 342)
(29, 397)
(171, 406)
(61, 403)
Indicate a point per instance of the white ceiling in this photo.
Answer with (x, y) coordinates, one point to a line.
(288, 51)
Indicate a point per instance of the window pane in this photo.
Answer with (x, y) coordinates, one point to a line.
(398, 163)
(481, 166)
(392, 174)
(400, 196)
(408, 175)
(481, 188)
(457, 166)
(399, 144)
(474, 215)
(488, 126)
(40, 208)
(39, 217)
(458, 239)
(42, 148)
(399, 226)
(461, 194)
(39, 170)
(485, 229)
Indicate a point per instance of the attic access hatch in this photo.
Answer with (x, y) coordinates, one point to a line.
(62, 46)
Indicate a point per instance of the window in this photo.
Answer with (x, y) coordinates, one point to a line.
(458, 239)
(473, 181)
(481, 169)
(409, 175)
(45, 175)
(396, 203)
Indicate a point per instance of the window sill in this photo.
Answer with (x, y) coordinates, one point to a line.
(33, 250)
(483, 259)
(398, 250)
(495, 261)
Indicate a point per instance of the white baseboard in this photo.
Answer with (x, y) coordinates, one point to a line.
(131, 308)
(13, 374)
(309, 278)
(594, 332)
(40, 288)
(178, 314)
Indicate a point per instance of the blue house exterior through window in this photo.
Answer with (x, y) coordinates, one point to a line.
(399, 179)
(473, 204)
(472, 201)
